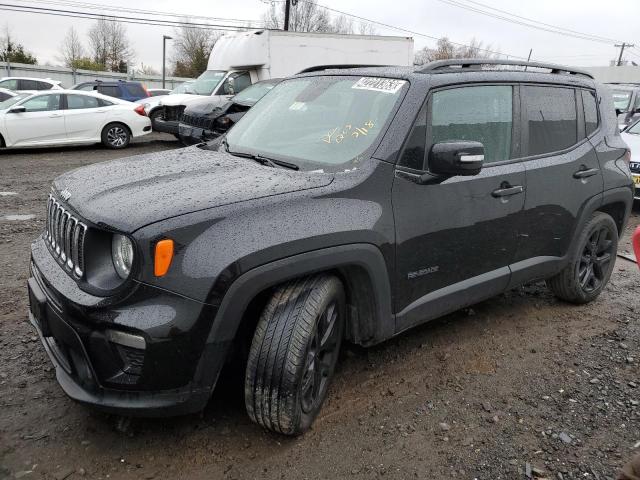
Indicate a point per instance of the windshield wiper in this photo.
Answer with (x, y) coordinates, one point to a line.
(269, 162)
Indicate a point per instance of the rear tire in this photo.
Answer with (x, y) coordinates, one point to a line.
(591, 262)
(294, 352)
(116, 136)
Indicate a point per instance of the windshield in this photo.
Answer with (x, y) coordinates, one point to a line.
(621, 99)
(182, 88)
(322, 123)
(206, 83)
(13, 100)
(634, 129)
(250, 95)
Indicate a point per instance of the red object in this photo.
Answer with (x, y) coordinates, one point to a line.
(140, 110)
(636, 244)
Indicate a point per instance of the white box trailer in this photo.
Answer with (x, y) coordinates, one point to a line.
(275, 53)
(241, 59)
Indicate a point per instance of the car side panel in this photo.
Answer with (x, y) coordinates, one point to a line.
(222, 244)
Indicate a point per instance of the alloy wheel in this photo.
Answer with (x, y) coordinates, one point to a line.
(320, 359)
(595, 259)
(116, 136)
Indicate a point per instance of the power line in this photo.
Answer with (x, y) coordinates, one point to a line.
(71, 3)
(567, 30)
(412, 32)
(118, 18)
(522, 23)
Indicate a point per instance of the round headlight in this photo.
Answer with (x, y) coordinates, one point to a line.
(122, 254)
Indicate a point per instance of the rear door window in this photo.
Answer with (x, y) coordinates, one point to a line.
(110, 91)
(80, 102)
(550, 119)
(28, 84)
(482, 113)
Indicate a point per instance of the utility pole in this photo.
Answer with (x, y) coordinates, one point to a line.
(622, 47)
(287, 11)
(164, 58)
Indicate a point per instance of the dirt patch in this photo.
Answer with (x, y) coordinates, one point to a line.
(518, 384)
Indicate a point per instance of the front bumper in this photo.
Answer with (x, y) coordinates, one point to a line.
(190, 135)
(166, 126)
(174, 374)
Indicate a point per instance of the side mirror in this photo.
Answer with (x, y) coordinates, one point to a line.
(17, 109)
(229, 88)
(460, 157)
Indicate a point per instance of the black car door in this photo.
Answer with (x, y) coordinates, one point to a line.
(563, 173)
(456, 236)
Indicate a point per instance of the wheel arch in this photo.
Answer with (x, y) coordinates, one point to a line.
(618, 209)
(361, 268)
(2, 142)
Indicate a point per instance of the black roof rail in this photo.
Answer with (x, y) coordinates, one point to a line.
(319, 68)
(476, 63)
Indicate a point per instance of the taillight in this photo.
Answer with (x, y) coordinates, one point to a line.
(140, 110)
(627, 157)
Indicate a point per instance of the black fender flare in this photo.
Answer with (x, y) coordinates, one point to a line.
(364, 256)
(622, 195)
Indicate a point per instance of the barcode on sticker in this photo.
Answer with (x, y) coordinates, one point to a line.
(386, 85)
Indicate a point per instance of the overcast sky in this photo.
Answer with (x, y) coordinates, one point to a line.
(42, 34)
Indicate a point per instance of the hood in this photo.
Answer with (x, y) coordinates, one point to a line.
(186, 99)
(207, 105)
(130, 193)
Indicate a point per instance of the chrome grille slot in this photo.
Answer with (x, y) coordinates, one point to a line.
(64, 236)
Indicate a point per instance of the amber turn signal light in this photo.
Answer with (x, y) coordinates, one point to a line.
(163, 257)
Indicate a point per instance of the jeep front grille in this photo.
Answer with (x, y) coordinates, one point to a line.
(65, 235)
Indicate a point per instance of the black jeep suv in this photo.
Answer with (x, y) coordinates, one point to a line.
(347, 204)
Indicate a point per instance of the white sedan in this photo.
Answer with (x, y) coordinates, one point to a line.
(70, 117)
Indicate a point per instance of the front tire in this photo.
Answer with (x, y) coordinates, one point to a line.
(294, 353)
(590, 263)
(116, 136)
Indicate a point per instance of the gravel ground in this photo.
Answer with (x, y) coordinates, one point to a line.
(520, 386)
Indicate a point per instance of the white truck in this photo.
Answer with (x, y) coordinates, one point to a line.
(240, 59)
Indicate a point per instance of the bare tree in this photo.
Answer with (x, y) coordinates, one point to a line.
(71, 49)
(445, 50)
(307, 16)
(366, 28)
(110, 46)
(192, 47)
(147, 70)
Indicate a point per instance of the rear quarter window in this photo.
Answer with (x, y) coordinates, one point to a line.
(550, 119)
(135, 90)
(590, 105)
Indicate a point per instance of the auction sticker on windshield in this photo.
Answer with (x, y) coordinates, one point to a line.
(386, 85)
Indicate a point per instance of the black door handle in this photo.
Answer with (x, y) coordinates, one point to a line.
(586, 173)
(507, 191)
